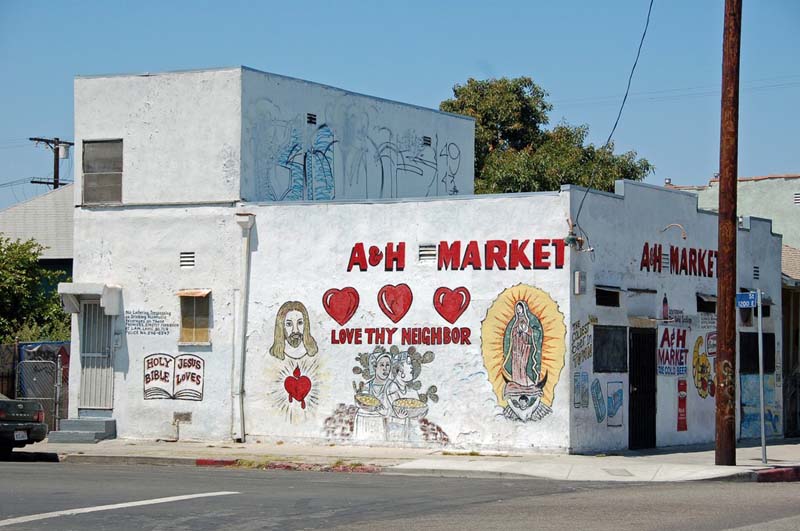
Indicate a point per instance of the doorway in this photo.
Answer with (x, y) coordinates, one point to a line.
(642, 400)
(97, 371)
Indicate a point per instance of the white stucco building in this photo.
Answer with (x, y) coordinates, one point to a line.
(405, 314)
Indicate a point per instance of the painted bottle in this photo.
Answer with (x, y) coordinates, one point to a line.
(665, 308)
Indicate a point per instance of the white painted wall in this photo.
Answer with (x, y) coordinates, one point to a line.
(303, 251)
(138, 249)
(361, 147)
(618, 225)
(181, 133)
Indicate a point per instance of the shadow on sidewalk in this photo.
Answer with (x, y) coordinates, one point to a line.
(18, 456)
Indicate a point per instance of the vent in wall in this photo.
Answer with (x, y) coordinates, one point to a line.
(311, 119)
(665, 261)
(797, 198)
(426, 141)
(427, 252)
(187, 258)
(756, 272)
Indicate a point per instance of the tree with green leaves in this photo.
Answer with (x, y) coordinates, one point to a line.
(30, 308)
(515, 152)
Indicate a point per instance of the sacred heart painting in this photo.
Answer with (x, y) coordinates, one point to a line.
(523, 341)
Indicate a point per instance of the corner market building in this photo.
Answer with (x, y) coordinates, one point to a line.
(379, 317)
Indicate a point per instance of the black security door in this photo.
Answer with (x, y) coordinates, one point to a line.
(642, 401)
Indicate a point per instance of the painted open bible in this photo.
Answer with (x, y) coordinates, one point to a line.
(173, 377)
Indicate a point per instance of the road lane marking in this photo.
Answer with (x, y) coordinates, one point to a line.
(113, 506)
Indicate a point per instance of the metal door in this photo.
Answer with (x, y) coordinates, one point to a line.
(97, 372)
(642, 401)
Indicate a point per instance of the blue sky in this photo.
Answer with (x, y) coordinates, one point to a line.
(579, 51)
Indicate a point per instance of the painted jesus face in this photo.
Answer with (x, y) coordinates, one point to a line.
(293, 326)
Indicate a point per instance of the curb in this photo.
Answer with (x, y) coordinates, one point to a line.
(127, 460)
(449, 473)
(214, 463)
(778, 474)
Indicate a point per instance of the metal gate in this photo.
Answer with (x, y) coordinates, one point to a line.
(642, 402)
(97, 372)
(40, 381)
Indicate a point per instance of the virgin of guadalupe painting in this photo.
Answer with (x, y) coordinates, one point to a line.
(523, 345)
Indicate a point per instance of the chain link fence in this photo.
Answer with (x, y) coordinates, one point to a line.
(8, 357)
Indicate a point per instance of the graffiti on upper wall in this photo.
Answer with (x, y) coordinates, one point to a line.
(523, 347)
(615, 401)
(173, 377)
(580, 390)
(294, 157)
(751, 413)
(294, 379)
(581, 342)
(389, 402)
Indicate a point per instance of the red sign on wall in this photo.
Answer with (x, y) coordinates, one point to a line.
(682, 404)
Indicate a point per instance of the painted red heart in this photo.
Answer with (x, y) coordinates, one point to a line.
(341, 304)
(395, 301)
(298, 387)
(451, 303)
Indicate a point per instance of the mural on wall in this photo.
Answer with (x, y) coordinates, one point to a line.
(390, 404)
(523, 347)
(395, 301)
(295, 156)
(751, 403)
(672, 350)
(580, 390)
(598, 400)
(703, 363)
(615, 401)
(293, 385)
(451, 303)
(341, 304)
(581, 342)
(168, 377)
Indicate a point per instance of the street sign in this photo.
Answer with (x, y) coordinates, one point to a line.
(746, 300)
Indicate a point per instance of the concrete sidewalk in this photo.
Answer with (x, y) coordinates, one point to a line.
(672, 464)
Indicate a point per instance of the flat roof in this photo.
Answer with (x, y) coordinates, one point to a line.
(242, 68)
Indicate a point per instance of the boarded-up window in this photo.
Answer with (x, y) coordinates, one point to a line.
(102, 171)
(610, 349)
(195, 316)
(748, 352)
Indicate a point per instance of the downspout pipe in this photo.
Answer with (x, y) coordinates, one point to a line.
(246, 222)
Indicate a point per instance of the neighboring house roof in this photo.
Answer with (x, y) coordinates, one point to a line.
(46, 218)
(790, 263)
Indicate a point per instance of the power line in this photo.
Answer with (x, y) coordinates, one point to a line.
(616, 122)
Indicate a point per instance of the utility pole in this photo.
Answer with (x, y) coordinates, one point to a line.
(55, 145)
(725, 449)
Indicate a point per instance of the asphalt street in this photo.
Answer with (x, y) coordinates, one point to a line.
(156, 498)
